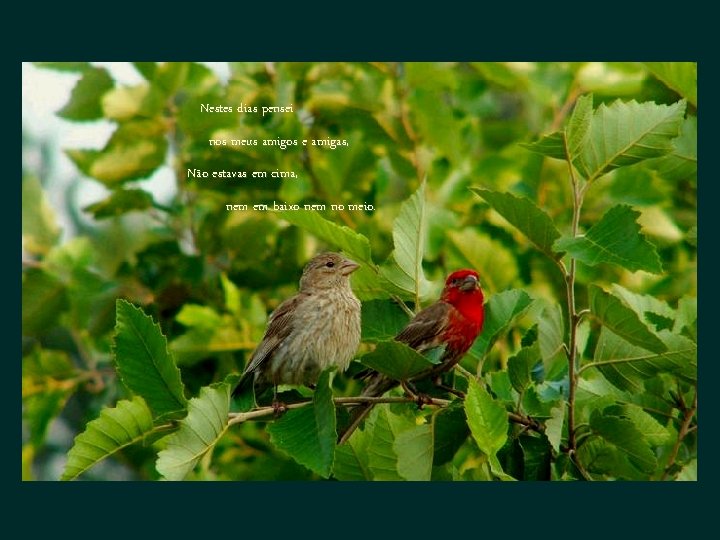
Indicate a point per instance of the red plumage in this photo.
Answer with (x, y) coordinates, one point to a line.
(453, 322)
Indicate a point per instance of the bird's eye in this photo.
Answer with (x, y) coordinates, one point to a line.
(329, 264)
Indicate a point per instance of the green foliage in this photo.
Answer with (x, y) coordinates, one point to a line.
(523, 214)
(615, 239)
(405, 272)
(199, 431)
(127, 423)
(144, 363)
(570, 187)
(308, 434)
(404, 362)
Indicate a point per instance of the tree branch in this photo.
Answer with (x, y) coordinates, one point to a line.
(261, 412)
(688, 415)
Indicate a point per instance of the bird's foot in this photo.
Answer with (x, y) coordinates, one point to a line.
(419, 398)
(279, 408)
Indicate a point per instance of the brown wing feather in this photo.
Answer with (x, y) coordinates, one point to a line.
(427, 326)
(279, 327)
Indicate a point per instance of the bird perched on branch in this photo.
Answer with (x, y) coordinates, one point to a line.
(317, 328)
(451, 323)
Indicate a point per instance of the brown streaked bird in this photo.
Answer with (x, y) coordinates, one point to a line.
(317, 328)
(450, 324)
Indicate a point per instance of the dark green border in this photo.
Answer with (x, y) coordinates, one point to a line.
(360, 32)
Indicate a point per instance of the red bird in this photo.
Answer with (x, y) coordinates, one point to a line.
(453, 323)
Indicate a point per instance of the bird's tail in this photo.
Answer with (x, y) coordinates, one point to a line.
(245, 382)
(376, 386)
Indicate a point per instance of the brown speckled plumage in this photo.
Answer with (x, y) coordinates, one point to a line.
(317, 328)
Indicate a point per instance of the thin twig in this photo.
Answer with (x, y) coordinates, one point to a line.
(261, 412)
(573, 316)
(688, 415)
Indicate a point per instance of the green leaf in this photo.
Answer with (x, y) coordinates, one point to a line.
(687, 317)
(434, 117)
(200, 430)
(198, 316)
(625, 133)
(48, 380)
(85, 100)
(232, 295)
(622, 320)
(681, 163)
(39, 227)
(496, 264)
(623, 434)
(381, 320)
(143, 361)
(202, 341)
(134, 151)
(128, 102)
(526, 216)
(404, 271)
(537, 458)
(414, 449)
(43, 299)
(129, 422)
(450, 430)
(487, 419)
(578, 127)
(40, 409)
(500, 310)
(600, 457)
(655, 433)
(120, 202)
(552, 145)
(308, 434)
(627, 366)
(354, 245)
(397, 360)
(146, 69)
(551, 335)
(520, 366)
(642, 304)
(351, 459)
(365, 282)
(70, 67)
(382, 456)
(679, 76)
(615, 239)
(554, 426)
(499, 384)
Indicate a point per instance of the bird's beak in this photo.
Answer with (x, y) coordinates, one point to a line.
(347, 267)
(470, 283)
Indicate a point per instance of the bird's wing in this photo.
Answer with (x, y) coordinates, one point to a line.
(279, 327)
(425, 329)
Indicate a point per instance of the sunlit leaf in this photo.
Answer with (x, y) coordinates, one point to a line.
(500, 310)
(487, 419)
(615, 239)
(129, 422)
(85, 100)
(625, 133)
(622, 320)
(199, 432)
(680, 76)
(526, 216)
(405, 272)
(144, 363)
